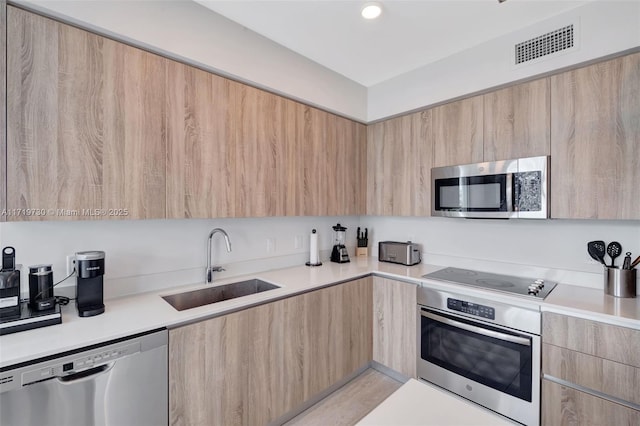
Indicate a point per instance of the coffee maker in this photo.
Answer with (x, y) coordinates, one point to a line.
(339, 253)
(90, 270)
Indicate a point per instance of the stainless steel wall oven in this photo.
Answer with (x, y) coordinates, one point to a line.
(485, 351)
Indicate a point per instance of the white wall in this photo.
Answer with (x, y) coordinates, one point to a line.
(604, 27)
(189, 31)
(553, 249)
(147, 255)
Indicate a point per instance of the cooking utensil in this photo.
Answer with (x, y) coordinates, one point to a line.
(635, 263)
(596, 250)
(627, 261)
(613, 250)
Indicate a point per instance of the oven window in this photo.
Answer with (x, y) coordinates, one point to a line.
(499, 364)
(472, 194)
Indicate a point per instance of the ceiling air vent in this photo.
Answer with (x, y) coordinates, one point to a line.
(546, 44)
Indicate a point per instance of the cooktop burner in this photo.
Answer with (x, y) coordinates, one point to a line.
(531, 287)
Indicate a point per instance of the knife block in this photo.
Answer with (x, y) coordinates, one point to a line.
(362, 251)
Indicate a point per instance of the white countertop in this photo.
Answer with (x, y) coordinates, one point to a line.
(419, 403)
(148, 311)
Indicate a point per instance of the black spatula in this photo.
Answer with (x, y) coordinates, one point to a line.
(596, 251)
(613, 250)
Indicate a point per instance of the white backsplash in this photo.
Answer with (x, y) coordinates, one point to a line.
(145, 255)
(154, 254)
(551, 249)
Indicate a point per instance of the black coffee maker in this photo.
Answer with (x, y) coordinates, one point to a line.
(90, 270)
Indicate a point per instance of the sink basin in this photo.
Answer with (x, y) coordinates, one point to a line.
(206, 296)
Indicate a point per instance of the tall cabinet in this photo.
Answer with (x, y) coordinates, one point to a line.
(595, 134)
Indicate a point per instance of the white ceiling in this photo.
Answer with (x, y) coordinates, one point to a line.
(408, 35)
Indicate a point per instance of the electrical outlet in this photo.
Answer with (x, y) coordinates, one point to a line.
(71, 263)
(271, 245)
(298, 242)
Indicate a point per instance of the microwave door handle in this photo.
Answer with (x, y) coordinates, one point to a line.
(479, 330)
(510, 193)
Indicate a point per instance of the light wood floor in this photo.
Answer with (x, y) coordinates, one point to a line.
(350, 403)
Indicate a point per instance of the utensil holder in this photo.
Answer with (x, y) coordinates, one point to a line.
(620, 282)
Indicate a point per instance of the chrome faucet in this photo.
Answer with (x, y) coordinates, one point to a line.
(210, 269)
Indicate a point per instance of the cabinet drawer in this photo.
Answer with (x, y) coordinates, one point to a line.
(566, 406)
(614, 343)
(609, 377)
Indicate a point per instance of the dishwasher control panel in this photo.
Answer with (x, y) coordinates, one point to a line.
(77, 363)
(67, 365)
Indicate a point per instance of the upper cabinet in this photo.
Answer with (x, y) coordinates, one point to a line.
(595, 134)
(85, 129)
(517, 121)
(457, 132)
(98, 129)
(200, 144)
(399, 156)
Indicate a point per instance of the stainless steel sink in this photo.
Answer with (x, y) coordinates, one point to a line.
(206, 296)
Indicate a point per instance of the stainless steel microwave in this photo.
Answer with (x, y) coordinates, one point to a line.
(495, 190)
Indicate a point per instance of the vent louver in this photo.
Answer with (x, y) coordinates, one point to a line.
(7, 379)
(546, 44)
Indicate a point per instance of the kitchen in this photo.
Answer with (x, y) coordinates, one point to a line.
(155, 255)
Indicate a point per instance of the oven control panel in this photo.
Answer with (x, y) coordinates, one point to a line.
(471, 308)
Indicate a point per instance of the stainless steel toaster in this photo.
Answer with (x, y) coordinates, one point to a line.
(398, 252)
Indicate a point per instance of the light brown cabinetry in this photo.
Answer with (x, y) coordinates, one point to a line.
(253, 366)
(395, 323)
(399, 154)
(3, 109)
(85, 128)
(595, 155)
(97, 124)
(457, 132)
(589, 367)
(517, 121)
(201, 155)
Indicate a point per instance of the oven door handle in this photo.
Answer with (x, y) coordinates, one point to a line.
(489, 333)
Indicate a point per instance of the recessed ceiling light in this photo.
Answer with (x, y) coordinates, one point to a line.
(371, 10)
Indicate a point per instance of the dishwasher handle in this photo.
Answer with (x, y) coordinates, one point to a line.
(86, 374)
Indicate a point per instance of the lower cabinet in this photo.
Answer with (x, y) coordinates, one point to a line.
(591, 372)
(562, 405)
(395, 323)
(253, 366)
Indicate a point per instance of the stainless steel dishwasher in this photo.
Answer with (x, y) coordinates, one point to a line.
(123, 382)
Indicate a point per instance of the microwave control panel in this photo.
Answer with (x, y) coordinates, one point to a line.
(471, 308)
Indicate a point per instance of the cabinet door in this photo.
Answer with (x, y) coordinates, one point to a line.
(395, 323)
(563, 405)
(517, 121)
(595, 154)
(254, 366)
(344, 151)
(201, 146)
(458, 133)
(85, 123)
(259, 143)
(316, 182)
(400, 157)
